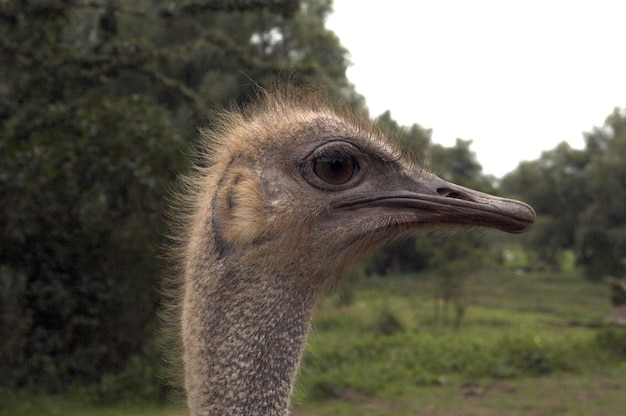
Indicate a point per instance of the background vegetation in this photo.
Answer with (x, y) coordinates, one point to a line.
(99, 106)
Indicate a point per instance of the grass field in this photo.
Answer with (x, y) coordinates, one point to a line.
(528, 344)
(572, 395)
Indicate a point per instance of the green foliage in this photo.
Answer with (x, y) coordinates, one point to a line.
(518, 336)
(99, 102)
(601, 236)
(458, 164)
(580, 197)
(612, 340)
(512, 333)
(555, 186)
(86, 209)
(382, 366)
(137, 382)
(387, 322)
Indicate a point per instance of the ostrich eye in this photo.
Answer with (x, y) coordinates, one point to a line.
(335, 169)
(334, 166)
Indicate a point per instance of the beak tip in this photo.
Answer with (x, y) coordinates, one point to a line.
(524, 216)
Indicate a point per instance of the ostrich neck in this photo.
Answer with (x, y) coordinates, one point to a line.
(243, 337)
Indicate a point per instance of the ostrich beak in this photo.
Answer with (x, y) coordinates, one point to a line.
(431, 200)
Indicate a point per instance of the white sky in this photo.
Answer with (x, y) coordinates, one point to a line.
(516, 77)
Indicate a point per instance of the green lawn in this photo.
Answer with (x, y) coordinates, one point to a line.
(514, 326)
(528, 344)
(571, 395)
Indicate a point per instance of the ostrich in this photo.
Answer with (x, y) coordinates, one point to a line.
(289, 193)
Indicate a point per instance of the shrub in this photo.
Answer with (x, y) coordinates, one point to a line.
(138, 381)
(387, 322)
(612, 340)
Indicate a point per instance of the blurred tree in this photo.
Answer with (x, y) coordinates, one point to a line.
(458, 164)
(601, 233)
(99, 100)
(580, 199)
(457, 260)
(304, 43)
(555, 185)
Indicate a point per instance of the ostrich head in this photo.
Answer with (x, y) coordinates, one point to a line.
(303, 180)
(294, 190)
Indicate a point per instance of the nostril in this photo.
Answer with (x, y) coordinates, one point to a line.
(449, 193)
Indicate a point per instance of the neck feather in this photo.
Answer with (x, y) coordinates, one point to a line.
(243, 337)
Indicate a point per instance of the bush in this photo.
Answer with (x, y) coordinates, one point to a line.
(138, 381)
(387, 322)
(383, 365)
(612, 340)
(532, 355)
